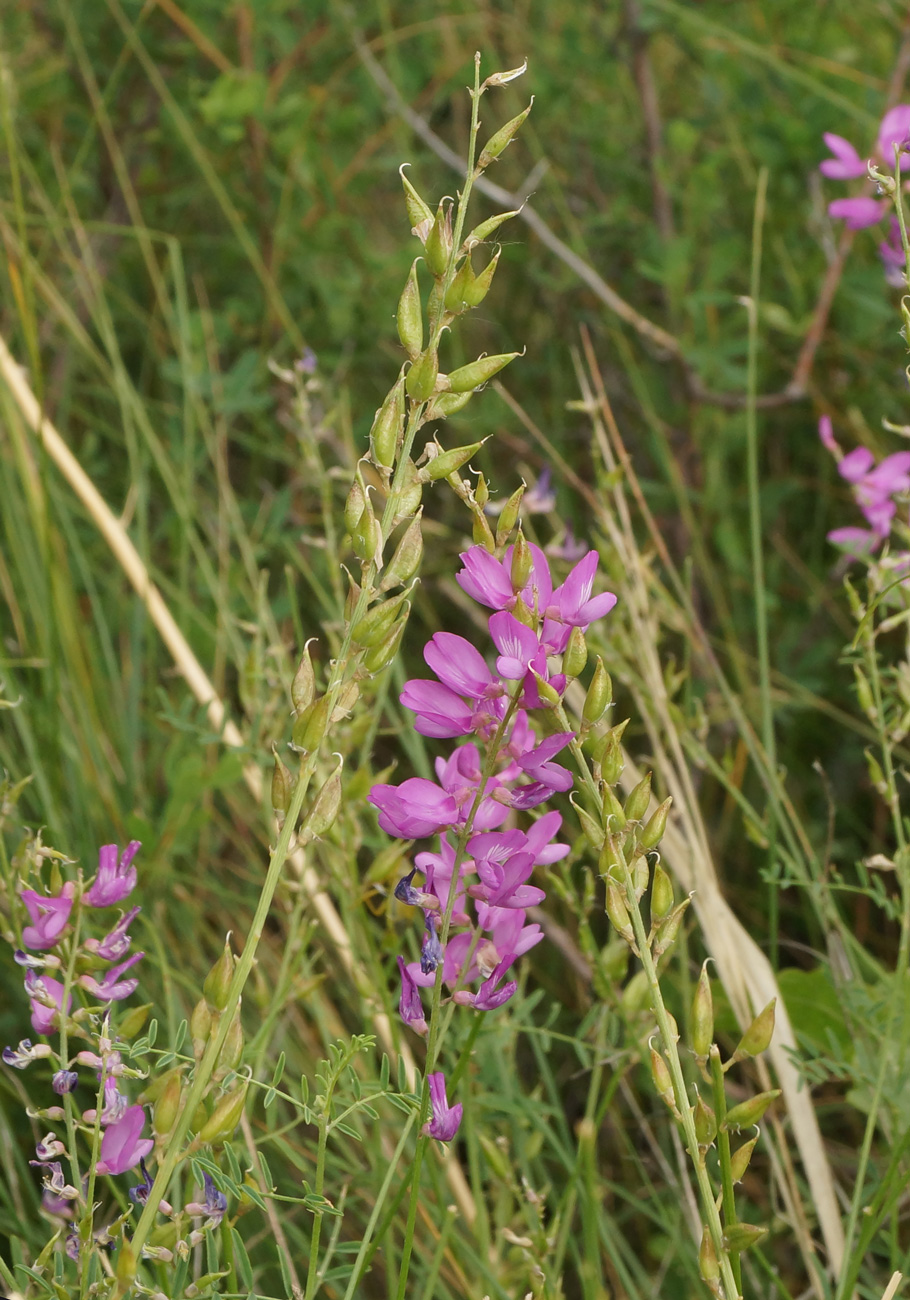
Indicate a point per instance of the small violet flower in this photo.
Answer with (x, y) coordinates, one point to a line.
(116, 878)
(122, 1146)
(446, 1119)
(46, 1001)
(49, 916)
(410, 1008)
(111, 988)
(214, 1205)
(414, 809)
(64, 1081)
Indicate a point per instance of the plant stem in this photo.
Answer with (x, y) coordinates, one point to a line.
(723, 1151)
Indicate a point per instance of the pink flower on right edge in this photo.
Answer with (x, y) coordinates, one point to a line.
(874, 488)
(862, 210)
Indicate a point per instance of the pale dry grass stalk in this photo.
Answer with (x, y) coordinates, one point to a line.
(199, 683)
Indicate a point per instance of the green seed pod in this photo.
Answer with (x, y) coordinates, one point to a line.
(446, 404)
(660, 1073)
(479, 287)
(635, 995)
(610, 862)
(356, 502)
(408, 554)
(486, 229)
(200, 1027)
(455, 301)
(466, 378)
(598, 699)
(655, 827)
(411, 492)
(481, 533)
(225, 1117)
(231, 1050)
(757, 1037)
(739, 1161)
(638, 869)
(636, 805)
(614, 816)
(303, 687)
(218, 981)
(619, 913)
(282, 785)
(661, 895)
(611, 762)
(481, 492)
(593, 830)
(705, 1124)
(740, 1236)
(125, 1270)
(326, 805)
(375, 623)
(381, 656)
(549, 696)
(499, 140)
(410, 315)
(707, 1262)
(421, 378)
(575, 655)
(750, 1112)
(363, 536)
(419, 214)
(345, 701)
(702, 1017)
(133, 1022)
(522, 562)
(439, 241)
(388, 425)
(508, 518)
(310, 727)
(167, 1107)
(669, 929)
(447, 462)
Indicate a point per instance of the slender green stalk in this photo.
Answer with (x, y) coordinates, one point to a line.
(377, 1207)
(313, 1267)
(723, 1151)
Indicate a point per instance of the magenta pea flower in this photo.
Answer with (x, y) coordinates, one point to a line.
(114, 1105)
(538, 764)
(846, 164)
(111, 988)
(517, 645)
(489, 581)
(410, 1007)
(49, 916)
(574, 605)
(894, 129)
(414, 809)
(116, 878)
(122, 1146)
(46, 1001)
(858, 212)
(116, 942)
(445, 1121)
(489, 996)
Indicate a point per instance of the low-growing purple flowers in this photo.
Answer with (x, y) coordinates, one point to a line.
(477, 884)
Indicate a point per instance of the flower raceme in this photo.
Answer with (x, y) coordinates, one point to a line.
(477, 886)
(874, 489)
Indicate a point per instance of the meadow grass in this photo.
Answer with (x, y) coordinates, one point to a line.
(192, 198)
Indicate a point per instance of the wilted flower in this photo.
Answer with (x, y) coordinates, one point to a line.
(214, 1205)
(46, 1000)
(64, 1081)
(446, 1119)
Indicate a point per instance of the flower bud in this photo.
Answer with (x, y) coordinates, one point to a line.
(636, 804)
(419, 214)
(466, 378)
(599, 697)
(282, 785)
(303, 687)
(661, 895)
(575, 655)
(167, 1107)
(757, 1037)
(410, 316)
(218, 981)
(750, 1112)
(481, 492)
(522, 563)
(408, 554)
(739, 1161)
(446, 404)
(421, 378)
(740, 1236)
(619, 913)
(225, 1117)
(375, 623)
(499, 140)
(388, 424)
(508, 518)
(655, 827)
(381, 656)
(200, 1027)
(486, 229)
(326, 805)
(438, 246)
(705, 1124)
(479, 287)
(702, 1016)
(445, 463)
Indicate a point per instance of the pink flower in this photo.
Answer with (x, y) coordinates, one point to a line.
(489, 581)
(573, 605)
(49, 916)
(410, 1008)
(122, 1146)
(446, 1119)
(413, 809)
(846, 163)
(517, 645)
(894, 129)
(111, 988)
(116, 877)
(858, 212)
(489, 997)
(46, 999)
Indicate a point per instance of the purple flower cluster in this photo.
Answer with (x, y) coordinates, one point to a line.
(863, 210)
(477, 883)
(874, 488)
